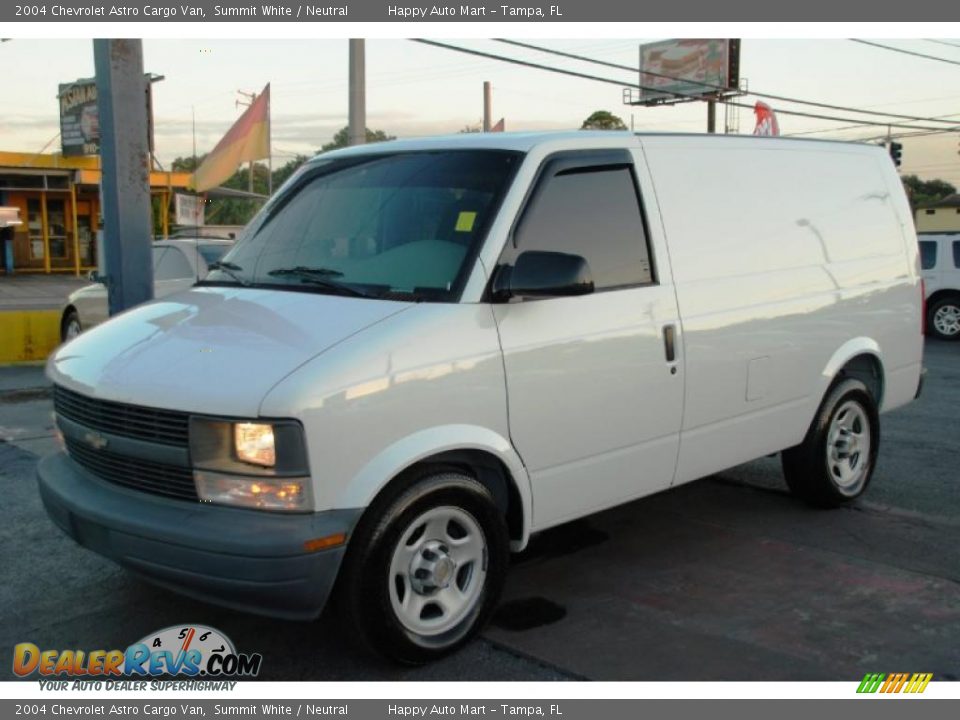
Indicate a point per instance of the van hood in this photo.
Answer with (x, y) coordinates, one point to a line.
(215, 350)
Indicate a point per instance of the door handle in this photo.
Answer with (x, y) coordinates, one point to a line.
(669, 342)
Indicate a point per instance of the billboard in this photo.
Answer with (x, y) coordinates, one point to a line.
(673, 70)
(80, 118)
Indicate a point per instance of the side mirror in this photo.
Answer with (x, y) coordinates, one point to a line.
(544, 274)
(95, 277)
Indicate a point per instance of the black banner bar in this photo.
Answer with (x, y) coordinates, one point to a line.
(579, 11)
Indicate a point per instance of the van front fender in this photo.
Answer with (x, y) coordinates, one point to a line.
(427, 443)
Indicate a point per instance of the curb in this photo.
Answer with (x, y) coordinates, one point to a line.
(28, 335)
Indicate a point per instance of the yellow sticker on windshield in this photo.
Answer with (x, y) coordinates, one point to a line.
(465, 221)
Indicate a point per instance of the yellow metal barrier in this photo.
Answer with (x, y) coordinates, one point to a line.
(28, 335)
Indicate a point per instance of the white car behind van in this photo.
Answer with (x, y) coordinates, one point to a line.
(940, 269)
(422, 352)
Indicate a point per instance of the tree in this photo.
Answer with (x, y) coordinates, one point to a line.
(603, 120)
(283, 172)
(923, 192)
(342, 138)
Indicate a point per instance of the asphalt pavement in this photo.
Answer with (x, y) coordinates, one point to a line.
(728, 578)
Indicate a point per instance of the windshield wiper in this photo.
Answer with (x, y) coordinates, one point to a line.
(227, 268)
(316, 276)
(304, 271)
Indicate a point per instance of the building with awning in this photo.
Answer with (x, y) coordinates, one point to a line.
(58, 199)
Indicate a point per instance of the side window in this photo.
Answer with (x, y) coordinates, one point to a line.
(158, 253)
(956, 253)
(594, 212)
(928, 254)
(173, 265)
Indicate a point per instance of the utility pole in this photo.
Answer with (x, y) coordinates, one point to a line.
(250, 98)
(358, 93)
(711, 116)
(487, 105)
(125, 180)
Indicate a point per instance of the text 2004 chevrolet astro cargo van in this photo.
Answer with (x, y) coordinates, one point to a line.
(421, 352)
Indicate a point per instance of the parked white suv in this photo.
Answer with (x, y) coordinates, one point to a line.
(940, 268)
(422, 352)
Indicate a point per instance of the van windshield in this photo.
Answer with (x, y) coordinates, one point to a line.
(395, 226)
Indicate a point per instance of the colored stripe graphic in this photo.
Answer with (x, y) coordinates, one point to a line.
(894, 683)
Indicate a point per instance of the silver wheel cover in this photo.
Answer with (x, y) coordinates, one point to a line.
(438, 571)
(946, 320)
(848, 447)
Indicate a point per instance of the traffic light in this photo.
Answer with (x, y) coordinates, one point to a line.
(896, 151)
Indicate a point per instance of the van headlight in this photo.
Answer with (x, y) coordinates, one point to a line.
(255, 443)
(256, 464)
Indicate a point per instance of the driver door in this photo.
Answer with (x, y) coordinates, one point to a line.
(594, 398)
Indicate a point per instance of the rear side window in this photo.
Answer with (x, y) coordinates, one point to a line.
(956, 253)
(173, 265)
(593, 212)
(928, 254)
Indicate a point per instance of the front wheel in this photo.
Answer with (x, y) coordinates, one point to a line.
(943, 318)
(70, 326)
(834, 463)
(426, 566)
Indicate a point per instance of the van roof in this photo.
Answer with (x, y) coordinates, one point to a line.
(526, 141)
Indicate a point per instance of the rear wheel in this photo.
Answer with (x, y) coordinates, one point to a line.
(426, 566)
(943, 318)
(70, 325)
(834, 463)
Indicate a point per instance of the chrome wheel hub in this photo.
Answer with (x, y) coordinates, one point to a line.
(438, 571)
(432, 568)
(848, 446)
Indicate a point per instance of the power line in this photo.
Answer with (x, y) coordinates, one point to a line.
(944, 42)
(610, 81)
(768, 96)
(905, 52)
(896, 136)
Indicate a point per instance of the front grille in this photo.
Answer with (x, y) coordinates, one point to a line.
(167, 427)
(167, 480)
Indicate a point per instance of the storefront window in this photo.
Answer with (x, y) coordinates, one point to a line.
(57, 227)
(35, 229)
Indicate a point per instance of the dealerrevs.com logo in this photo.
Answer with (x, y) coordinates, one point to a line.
(180, 650)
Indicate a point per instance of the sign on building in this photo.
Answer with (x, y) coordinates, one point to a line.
(188, 210)
(9, 216)
(80, 117)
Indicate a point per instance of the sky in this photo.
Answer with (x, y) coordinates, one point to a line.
(415, 90)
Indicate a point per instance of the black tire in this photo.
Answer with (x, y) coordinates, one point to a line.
(811, 468)
(364, 587)
(70, 316)
(945, 327)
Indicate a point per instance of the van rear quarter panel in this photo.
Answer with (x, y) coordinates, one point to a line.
(788, 257)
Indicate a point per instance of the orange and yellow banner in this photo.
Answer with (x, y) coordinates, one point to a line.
(247, 140)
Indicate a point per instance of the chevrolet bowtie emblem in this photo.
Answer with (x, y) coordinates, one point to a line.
(95, 440)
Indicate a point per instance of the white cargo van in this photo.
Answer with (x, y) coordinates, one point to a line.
(422, 352)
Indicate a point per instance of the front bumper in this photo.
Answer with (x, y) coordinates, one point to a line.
(243, 559)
